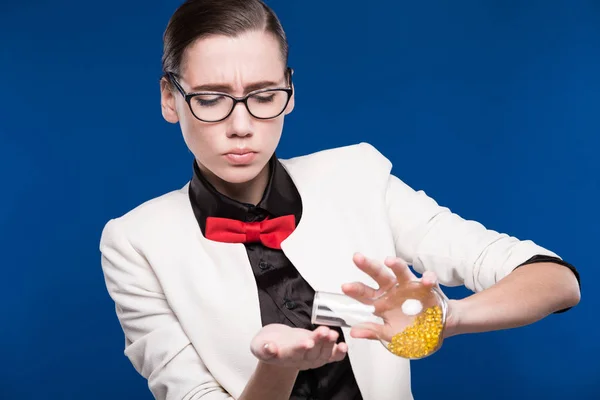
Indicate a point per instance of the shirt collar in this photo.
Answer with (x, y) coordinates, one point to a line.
(279, 198)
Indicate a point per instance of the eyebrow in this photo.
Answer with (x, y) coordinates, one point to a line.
(221, 87)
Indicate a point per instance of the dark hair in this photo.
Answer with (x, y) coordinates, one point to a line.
(196, 19)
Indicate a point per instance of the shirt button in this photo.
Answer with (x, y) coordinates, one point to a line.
(290, 304)
(263, 265)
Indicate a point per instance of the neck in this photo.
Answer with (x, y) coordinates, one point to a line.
(250, 192)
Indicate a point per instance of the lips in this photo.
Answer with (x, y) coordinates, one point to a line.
(240, 151)
(240, 156)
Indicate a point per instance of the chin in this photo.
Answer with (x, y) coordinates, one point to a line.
(240, 174)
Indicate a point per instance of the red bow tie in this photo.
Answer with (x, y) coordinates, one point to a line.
(270, 232)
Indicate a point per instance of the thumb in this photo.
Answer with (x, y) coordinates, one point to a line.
(366, 330)
(430, 279)
(265, 352)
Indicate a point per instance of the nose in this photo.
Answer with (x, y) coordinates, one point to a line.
(240, 122)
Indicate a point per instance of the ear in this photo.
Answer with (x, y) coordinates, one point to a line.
(167, 102)
(290, 107)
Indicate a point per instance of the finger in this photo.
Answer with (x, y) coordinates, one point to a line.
(326, 350)
(297, 352)
(429, 279)
(332, 336)
(400, 269)
(266, 351)
(338, 352)
(318, 338)
(313, 353)
(375, 270)
(327, 347)
(322, 336)
(361, 292)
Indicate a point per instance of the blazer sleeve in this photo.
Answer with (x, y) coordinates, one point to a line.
(459, 251)
(155, 343)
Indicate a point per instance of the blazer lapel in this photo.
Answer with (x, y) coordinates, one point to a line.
(321, 249)
(213, 292)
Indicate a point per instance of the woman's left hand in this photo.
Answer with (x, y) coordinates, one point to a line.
(397, 271)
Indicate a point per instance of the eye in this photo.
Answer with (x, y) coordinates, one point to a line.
(264, 97)
(209, 100)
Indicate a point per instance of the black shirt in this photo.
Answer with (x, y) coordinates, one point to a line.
(544, 258)
(284, 296)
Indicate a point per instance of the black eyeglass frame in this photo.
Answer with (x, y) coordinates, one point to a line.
(189, 96)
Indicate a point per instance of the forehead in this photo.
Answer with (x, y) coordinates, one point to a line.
(249, 57)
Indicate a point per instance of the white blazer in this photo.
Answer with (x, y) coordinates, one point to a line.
(189, 307)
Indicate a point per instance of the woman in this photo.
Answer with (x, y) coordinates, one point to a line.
(213, 283)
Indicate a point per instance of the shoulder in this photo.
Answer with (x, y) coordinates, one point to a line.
(355, 154)
(149, 218)
(360, 160)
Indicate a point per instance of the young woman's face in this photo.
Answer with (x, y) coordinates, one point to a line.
(238, 148)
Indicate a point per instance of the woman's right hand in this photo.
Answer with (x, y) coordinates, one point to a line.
(297, 348)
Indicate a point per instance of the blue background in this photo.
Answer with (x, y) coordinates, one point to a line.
(490, 107)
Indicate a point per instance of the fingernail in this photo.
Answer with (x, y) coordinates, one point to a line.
(268, 349)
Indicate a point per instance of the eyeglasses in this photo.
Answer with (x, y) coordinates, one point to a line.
(216, 107)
